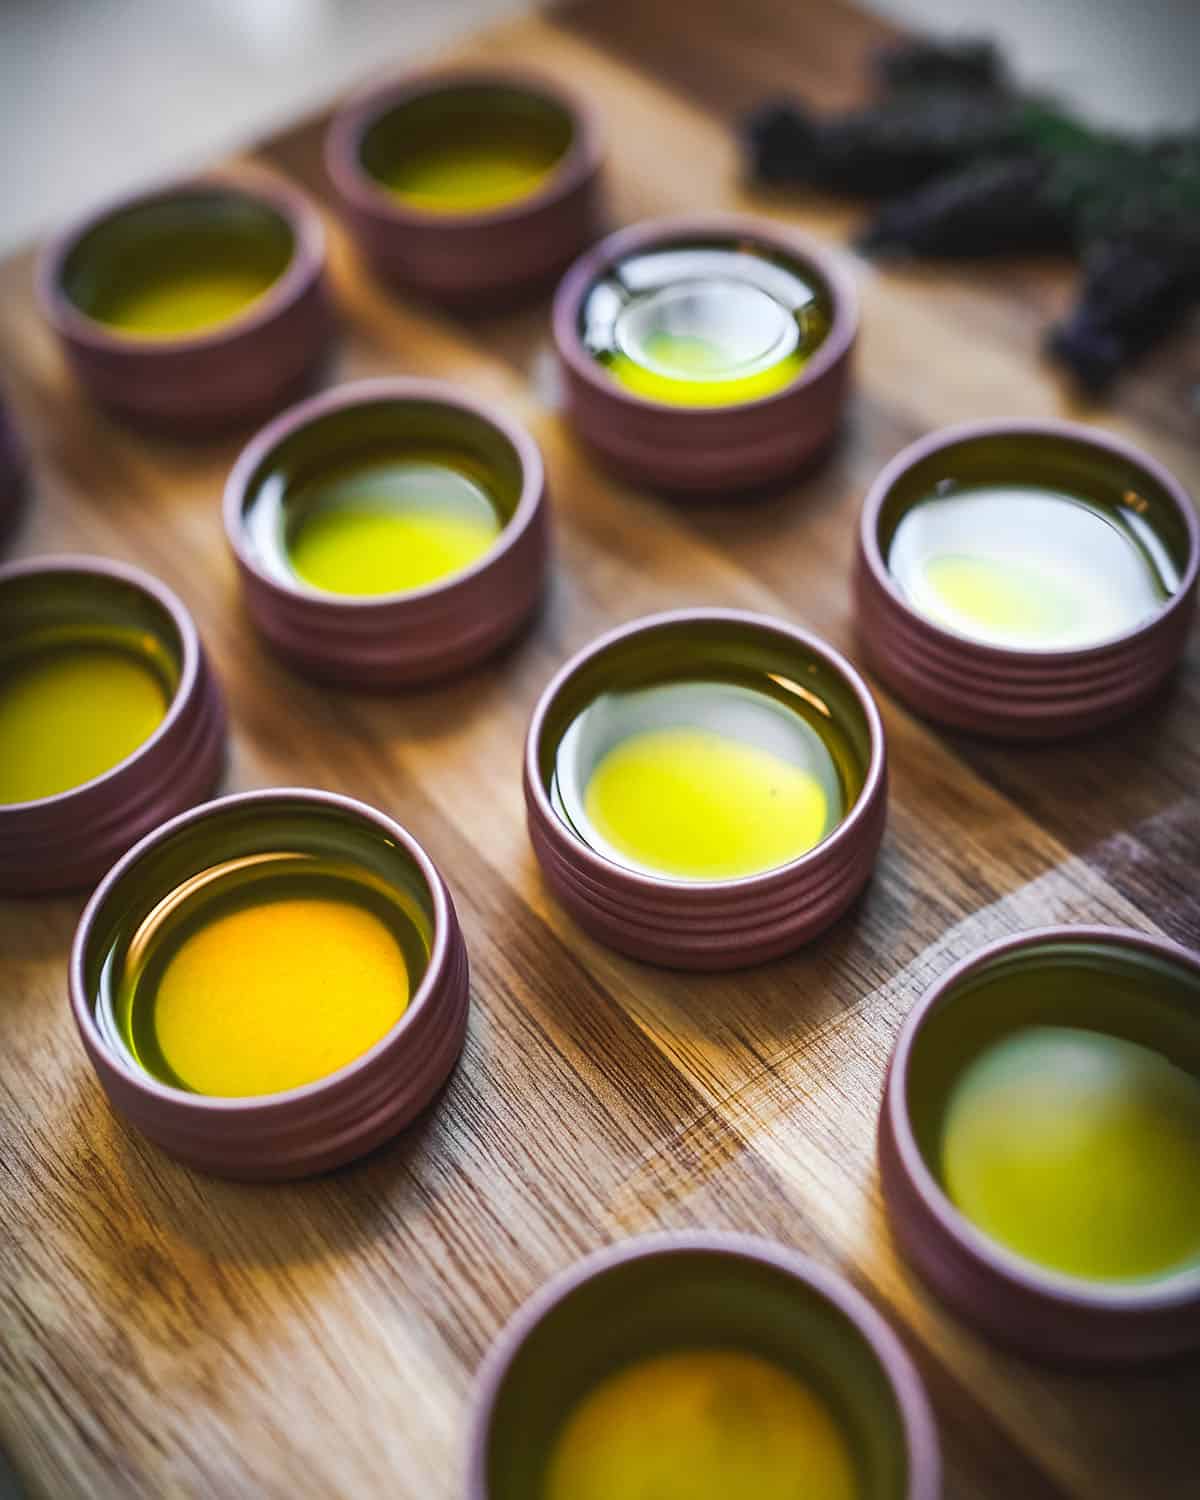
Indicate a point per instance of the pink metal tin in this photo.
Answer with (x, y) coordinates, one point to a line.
(402, 639)
(716, 924)
(1006, 692)
(14, 473)
(722, 1290)
(476, 258)
(67, 841)
(319, 1125)
(1036, 1311)
(229, 376)
(706, 450)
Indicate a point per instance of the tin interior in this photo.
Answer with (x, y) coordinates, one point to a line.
(737, 318)
(60, 609)
(358, 436)
(536, 125)
(238, 830)
(1048, 460)
(690, 1300)
(699, 650)
(1092, 985)
(210, 227)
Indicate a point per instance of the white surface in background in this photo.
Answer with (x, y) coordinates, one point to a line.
(1127, 63)
(99, 96)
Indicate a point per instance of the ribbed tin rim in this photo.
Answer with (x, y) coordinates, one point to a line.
(259, 1105)
(765, 881)
(662, 233)
(257, 185)
(1175, 1291)
(344, 140)
(176, 611)
(963, 647)
(383, 391)
(923, 1452)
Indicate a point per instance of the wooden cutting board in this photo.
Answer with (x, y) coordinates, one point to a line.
(162, 1334)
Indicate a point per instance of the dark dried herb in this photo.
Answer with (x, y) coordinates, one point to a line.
(969, 166)
(930, 64)
(1134, 293)
(892, 147)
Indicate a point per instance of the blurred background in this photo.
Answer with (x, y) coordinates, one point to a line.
(97, 96)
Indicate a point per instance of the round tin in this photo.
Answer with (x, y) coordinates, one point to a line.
(471, 258)
(14, 473)
(685, 1290)
(743, 446)
(322, 1124)
(1014, 693)
(225, 376)
(68, 840)
(395, 640)
(707, 924)
(1034, 1310)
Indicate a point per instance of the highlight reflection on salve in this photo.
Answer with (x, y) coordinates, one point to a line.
(703, 780)
(701, 1425)
(1014, 565)
(262, 973)
(1079, 1151)
(72, 707)
(704, 326)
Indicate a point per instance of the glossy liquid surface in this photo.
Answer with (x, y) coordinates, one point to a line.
(702, 1425)
(74, 709)
(262, 974)
(1079, 1151)
(1028, 568)
(385, 522)
(462, 177)
(701, 780)
(179, 266)
(391, 526)
(704, 327)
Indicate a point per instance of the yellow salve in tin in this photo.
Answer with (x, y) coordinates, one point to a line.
(1017, 566)
(702, 1424)
(73, 708)
(264, 973)
(1079, 1151)
(705, 780)
(390, 525)
(704, 325)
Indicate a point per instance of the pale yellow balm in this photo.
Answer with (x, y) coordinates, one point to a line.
(1079, 1151)
(1015, 566)
(699, 804)
(392, 527)
(702, 1425)
(70, 713)
(473, 175)
(275, 994)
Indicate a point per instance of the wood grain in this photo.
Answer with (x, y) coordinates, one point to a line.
(167, 1335)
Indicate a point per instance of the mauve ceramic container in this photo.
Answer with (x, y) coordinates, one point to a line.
(711, 924)
(403, 639)
(681, 1290)
(707, 450)
(481, 258)
(319, 1125)
(228, 376)
(14, 473)
(1037, 1312)
(67, 841)
(1010, 693)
